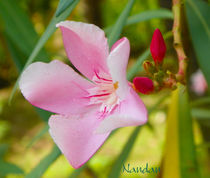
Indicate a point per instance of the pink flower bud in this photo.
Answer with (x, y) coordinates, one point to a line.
(157, 47)
(143, 85)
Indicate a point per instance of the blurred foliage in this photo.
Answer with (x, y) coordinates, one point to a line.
(25, 135)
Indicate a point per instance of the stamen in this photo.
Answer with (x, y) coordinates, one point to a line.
(104, 93)
(116, 85)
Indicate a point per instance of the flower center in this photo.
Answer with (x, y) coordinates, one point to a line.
(104, 93)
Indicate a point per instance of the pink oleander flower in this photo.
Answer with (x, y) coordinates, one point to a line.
(157, 47)
(199, 85)
(87, 108)
(143, 85)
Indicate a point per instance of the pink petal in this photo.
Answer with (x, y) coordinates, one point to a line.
(130, 112)
(117, 63)
(55, 87)
(76, 138)
(86, 47)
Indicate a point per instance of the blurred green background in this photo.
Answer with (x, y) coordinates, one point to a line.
(24, 140)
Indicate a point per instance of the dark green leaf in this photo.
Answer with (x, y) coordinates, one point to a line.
(9, 168)
(3, 150)
(18, 28)
(48, 32)
(120, 23)
(16, 51)
(39, 170)
(198, 13)
(62, 6)
(43, 114)
(200, 101)
(144, 16)
(138, 65)
(148, 15)
(200, 113)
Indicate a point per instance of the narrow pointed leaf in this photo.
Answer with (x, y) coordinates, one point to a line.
(180, 155)
(3, 150)
(9, 168)
(39, 170)
(198, 13)
(116, 168)
(48, 32)
(62, 6)
(200, 113)
(120, 23)
(39, 135)
(145, 16)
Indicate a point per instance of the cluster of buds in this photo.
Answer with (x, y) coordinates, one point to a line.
(157, 77)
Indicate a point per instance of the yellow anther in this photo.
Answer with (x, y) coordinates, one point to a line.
(116, 85)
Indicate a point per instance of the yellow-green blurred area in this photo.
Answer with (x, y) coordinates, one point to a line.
(20, 123)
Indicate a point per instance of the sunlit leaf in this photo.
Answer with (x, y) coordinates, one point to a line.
(198, 13)
(120, 23)
(39, 170)
(180, 155)
(62, 6)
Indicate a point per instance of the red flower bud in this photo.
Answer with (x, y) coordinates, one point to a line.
(157, 47)
(143, 85)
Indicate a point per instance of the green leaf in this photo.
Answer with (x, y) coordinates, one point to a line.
(118, 26)
(3, 150)
(43, 114)
(138, 65)
(17, 52)
(77, 172)
(150, 14)
(42, 132)
(116, 168)
(9, 168)
(19, 29)
(39, 170)
(198, 13)
(200, 113)
(48, 32)
(188, 162)
(200, 101)
(145, 16)
(180, 155)
(62, 6)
